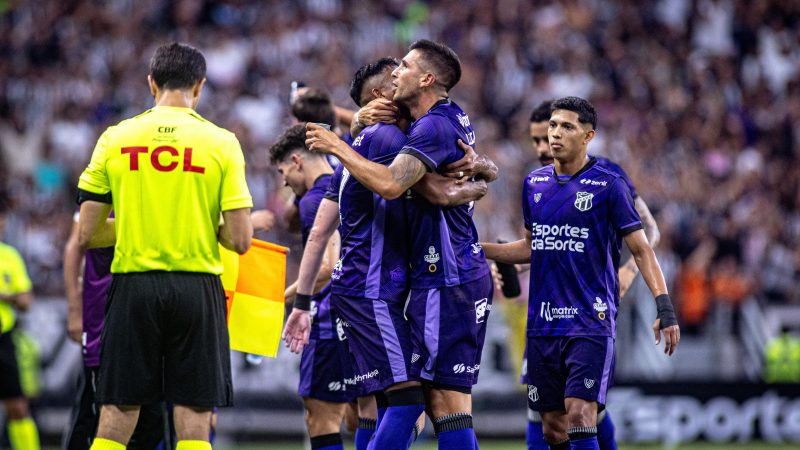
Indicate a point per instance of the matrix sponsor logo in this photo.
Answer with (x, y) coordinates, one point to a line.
(359, 378)
(482, 307)
(551, 313)
(533, 393)
(593, 182)
(461, 368)
(583, 201)
(565, 238)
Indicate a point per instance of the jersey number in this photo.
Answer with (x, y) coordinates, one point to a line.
(168, 163)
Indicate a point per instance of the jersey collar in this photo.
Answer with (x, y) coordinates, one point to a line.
(586, 167)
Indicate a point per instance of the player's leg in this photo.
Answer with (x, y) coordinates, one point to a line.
(547, 379)
(131, 357)
(589, 364)
(405, 402)
(84, 417)
(324, 422)
(534, 434)
(448, 327)
(606, 431)
(197, 371)
(22, 430)
(554, 428)
(367, 421)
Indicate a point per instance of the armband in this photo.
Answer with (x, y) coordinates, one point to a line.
(665, 311)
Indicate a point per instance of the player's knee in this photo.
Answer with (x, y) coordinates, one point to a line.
(552, 435)
(581, 417)
(321, 422)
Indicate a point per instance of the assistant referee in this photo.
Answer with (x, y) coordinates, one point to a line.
(169, 173)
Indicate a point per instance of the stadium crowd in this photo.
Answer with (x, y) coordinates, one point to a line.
(697, 100)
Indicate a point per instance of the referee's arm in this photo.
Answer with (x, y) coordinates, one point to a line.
(236, 231)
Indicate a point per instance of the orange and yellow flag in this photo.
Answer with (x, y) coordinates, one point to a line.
(254, 285)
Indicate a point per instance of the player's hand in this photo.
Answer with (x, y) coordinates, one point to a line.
(75, 327)
(297, 330)
(496, 277)
(320, 140)
(466, 167)
(263, 220)
(378, 110)
(672, 335)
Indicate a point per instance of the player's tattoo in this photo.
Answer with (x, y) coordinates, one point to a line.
(407, 170)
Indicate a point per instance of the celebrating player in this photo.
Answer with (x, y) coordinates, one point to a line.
(576, 213)
(169, 174)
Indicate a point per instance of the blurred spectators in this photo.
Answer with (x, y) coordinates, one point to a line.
(697, 99)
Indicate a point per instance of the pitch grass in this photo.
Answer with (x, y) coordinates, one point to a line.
(520, 445)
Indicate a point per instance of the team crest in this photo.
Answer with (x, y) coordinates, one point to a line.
(536, 197)
(601, 307)
(431, 258)
(588, 383)
(583, 201)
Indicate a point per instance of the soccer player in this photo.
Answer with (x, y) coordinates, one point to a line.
(15, 294)
(325, 362)
(576, 213)
(374, 234)
(169, 174)
(539, 123)
(86, 304)
(451, 287)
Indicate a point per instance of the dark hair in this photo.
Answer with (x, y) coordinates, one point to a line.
(542, 112)
(314, 105)
(177, 66)
(585, 110)
(444, 60)
(365, 73)
(292, 139)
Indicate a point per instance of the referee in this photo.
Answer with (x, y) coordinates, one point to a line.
(169, 174)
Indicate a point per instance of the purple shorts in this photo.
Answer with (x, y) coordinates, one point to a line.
(448, 327)
(324, 368)
(379, 341)
(568, 366)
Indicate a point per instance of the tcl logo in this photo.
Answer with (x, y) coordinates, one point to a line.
(166, 163)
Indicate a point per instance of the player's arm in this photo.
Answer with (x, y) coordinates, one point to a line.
(472, 165)
(517, 252)
(629, 270)
(236, 230)
(73, 257)
(388, 182)
(377, 110)
(646, 261)
(443, 191)
(95, 229)
(329, 258)
(298, 326)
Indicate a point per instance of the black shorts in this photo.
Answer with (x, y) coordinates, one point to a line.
(10, 386)
(165, 338)
(149, 432)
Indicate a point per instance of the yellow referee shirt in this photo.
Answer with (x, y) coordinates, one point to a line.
(13, 280)
(169, 173)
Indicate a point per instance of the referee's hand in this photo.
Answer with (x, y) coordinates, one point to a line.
(297, 330)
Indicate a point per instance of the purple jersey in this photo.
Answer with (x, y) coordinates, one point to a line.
(614, 167)
(444, 248)
(374, 258)
(96, 282)
(576, 226)
(323, 326)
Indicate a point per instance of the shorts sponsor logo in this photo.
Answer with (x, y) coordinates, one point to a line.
(431, 258)
(340, 329)
(536, 197)
(414, 357)
(482, 306)
(588, 383)
(461, 368)
(594, 182)
(550, 313)
(359, 378)
(583, 201)
(336, 386)
(533, 393)
(601, 307)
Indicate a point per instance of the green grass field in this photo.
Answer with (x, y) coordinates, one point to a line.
(512, 445)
